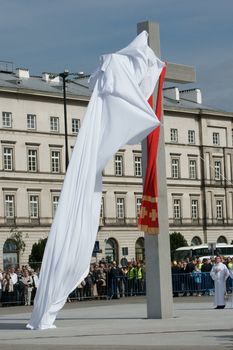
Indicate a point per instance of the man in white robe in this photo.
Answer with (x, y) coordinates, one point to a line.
(118, 113)
(219, 274)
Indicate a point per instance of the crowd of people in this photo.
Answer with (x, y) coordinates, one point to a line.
(104, 281)
(18, 286)
(107, 280)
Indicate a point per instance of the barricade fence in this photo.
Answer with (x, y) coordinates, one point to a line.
(196, 282)
(118, 287)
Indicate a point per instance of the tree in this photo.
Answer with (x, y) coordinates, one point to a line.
(177, 240)
(37, 253)
(18, 237)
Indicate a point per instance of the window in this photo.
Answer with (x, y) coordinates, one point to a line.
(196, 241)
(177, 209)
(8, 158)
(140, 249)
(219, 209)
(55, 204)
(194, 209)
(174, 135)
(138, 205)
(34, 207)
(6, 119)
(138, 166)
(175, 168)
(32, 160)
(55, 161)
(75, 125)
(217, 170)
(120, 208)
(111, 250)
(102, 208)
(192, 169)
(31, 121)
(9, 206)
(222, 239)
(216, 138)
(10, 254)
(118, 165)
(191, 136)
(54, 124)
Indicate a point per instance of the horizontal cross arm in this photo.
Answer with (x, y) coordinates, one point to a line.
(179, 73)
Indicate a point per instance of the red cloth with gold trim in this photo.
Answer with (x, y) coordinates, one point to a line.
(148, 218)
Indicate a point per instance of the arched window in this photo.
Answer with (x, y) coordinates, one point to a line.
(111, 250)
(140, 249)
(10, 254)
(196, 241)
(221, 239)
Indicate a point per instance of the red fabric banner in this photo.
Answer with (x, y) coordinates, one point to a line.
(148, 218)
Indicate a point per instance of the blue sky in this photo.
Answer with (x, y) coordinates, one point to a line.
(53, 35)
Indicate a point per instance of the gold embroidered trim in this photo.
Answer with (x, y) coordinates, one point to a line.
(150, 230)
(150, 199)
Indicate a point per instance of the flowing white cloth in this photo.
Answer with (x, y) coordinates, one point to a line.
(219, 274)
(118, 113)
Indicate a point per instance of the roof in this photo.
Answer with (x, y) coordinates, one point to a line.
(184, 103)
(78, 87)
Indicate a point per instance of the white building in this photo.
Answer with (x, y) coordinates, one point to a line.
(199, 167)
(199, 158)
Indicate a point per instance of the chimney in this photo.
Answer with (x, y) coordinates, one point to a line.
(50, 78)
(22, 73)
(193, 95)
(172, 93)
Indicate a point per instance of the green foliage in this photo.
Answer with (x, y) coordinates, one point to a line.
(177, 240)
(37, 253)
(18, 237)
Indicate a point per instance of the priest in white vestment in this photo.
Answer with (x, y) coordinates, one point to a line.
(219, 274)
(118, 113)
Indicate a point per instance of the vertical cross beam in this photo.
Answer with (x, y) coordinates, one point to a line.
(157, 247)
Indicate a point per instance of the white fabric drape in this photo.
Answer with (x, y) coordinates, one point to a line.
(118, 113)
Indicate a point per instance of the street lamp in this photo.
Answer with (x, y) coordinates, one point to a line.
(64, 75)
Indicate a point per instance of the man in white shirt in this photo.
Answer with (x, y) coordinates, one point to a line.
(14, 278)
(219, 274)
(13, 275)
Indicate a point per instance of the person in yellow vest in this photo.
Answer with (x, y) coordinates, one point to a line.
(229, 263)
(139, 278)
(131, 279)
(199, 264)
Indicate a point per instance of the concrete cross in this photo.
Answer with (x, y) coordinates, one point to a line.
(157, 247)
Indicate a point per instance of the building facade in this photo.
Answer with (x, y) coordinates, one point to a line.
(199, 156)
(199, 167)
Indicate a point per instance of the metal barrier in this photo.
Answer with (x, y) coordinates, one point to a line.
(122, 286)
(198, 283)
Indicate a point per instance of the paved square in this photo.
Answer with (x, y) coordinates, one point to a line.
(122, 324)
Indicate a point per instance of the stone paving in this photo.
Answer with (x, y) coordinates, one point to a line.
(122, 324)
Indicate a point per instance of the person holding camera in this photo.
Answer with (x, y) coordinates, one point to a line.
(28, 283)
